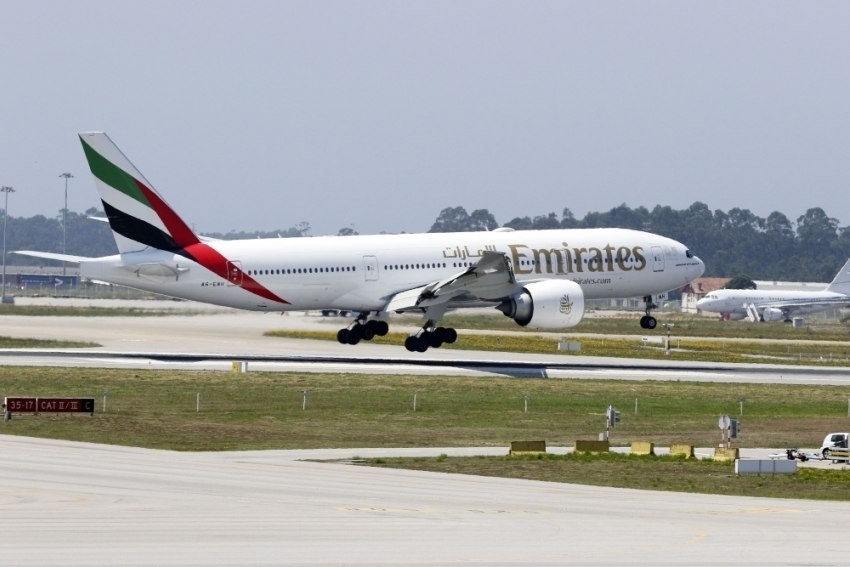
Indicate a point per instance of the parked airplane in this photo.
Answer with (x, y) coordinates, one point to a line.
(759, 305)
(538, 278)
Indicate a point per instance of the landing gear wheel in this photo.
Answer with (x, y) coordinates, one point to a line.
(651, 322)
(450, 336)
(381, 328)
(342, 336)
(355, 333)
(433, 338)
(416, 343)
(367, 331)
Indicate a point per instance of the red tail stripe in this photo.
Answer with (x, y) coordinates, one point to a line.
(175, 226)
(204, 254)
(212, 260)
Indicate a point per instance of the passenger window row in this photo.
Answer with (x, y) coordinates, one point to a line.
(289, 271)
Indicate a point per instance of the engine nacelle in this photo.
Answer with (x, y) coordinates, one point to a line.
(547, 304)
(772, 314)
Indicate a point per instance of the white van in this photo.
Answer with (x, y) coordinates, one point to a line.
(833, 441)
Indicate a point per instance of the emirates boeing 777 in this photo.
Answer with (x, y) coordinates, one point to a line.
(539, 278)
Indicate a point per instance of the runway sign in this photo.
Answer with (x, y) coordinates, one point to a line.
(48, 405)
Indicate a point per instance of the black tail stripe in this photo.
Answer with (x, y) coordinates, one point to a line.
(141, 231)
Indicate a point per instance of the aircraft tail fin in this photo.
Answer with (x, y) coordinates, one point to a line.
(841, 282)
(138, 216)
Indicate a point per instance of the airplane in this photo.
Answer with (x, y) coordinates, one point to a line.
(763, 305)
(539, 278)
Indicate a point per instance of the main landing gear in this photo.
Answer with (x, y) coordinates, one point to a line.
(430, 336)
(648, 321)
(361, 329)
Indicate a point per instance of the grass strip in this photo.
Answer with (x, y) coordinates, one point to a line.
(12, 342)
(682, 349)
(641, 472)
(169, 409)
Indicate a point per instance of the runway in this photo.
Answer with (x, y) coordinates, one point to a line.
(213, 341)
(69, 503)
(65, 503)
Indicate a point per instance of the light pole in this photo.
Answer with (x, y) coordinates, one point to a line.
(6, 190)
(67, 176)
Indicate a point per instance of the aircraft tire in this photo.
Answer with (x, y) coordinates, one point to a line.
(410, 343)
(381, 327)
(368, 332)
(355, 333)
(651, 322)
(342, 336)
(433, 338)
(450, 336)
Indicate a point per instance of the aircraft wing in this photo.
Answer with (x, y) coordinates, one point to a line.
(487, 282)
(52, 256)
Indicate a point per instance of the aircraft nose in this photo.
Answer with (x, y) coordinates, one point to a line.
(701, 267)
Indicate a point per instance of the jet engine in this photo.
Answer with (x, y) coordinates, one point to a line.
(547, 304)
(772, 314)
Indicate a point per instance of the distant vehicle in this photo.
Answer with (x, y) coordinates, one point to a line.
(539, 278)
(757, 305)
(834, 441)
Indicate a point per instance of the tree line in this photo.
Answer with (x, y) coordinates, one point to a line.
(734, 242)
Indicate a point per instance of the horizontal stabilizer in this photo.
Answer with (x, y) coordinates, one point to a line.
(53, 256)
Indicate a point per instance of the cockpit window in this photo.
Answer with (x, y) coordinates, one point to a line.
(689, 254)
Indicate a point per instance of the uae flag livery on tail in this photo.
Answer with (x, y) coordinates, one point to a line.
(141, 219)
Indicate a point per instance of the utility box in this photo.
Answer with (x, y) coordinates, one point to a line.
(760, 466)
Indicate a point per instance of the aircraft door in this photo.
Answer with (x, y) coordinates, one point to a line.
(657, 259)
(234, 272)
(370, 268)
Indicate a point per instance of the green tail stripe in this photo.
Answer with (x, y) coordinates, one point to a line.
(113, 176)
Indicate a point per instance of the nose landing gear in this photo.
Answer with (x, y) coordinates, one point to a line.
(648, 321)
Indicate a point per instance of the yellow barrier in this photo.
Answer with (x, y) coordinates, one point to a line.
(682, 450)
(643, 448)
(592, 446)
(725, 454)
(527, 447)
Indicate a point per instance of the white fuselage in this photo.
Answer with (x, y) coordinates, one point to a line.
(360, 273)
(735, 301)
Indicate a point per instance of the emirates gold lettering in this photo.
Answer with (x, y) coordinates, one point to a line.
(567, 260)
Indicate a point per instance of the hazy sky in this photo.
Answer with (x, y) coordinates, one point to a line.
(258, 115)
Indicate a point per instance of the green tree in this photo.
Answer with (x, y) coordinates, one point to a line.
(482, 219)
(520, 223)
(741, 281)
(456, 219)
(451, 219)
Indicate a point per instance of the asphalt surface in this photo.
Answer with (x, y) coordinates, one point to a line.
(68, 504)
(64, 503)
